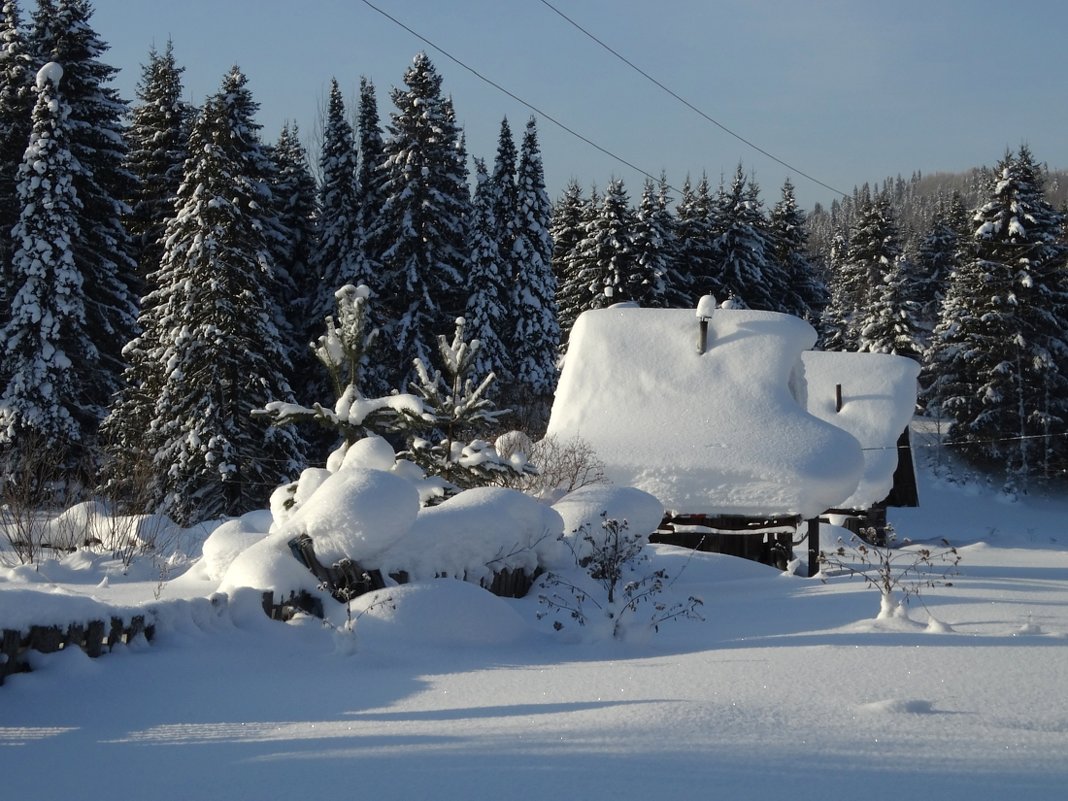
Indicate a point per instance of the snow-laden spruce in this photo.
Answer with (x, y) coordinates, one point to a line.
(46, 341)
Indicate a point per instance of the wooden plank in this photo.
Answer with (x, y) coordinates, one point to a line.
(75, 636)
(813, 547)
(10, 647)
(115, 635)
(46, 639)
(94, 638)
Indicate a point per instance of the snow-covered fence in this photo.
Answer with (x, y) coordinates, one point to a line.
(92, 637)
(348, 579)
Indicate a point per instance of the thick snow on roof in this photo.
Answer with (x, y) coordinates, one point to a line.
(878, 397)
(712, 433)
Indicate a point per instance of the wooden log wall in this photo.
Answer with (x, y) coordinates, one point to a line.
(92, 637)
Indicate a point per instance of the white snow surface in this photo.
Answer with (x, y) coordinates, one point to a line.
(878, 398)
(712, 433)
(790, 688)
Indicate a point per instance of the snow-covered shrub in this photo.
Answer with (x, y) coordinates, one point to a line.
(228, 541)
(890, 570)
(625, 596)
(562, 466)
(585, 508)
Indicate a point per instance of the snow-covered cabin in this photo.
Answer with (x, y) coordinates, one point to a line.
(735, 429)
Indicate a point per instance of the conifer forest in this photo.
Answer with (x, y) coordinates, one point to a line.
(166, 271)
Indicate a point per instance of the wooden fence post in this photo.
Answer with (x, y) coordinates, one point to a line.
(813, 546)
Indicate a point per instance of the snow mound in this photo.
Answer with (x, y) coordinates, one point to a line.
(356, 513)
(268, 564)
(371, 453)
(642, 511)
(229, 540)
(287, 499)
(437, 612)
(476, 533)
(92, 522)
(911, 706)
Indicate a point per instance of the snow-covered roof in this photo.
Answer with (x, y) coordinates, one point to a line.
(714, 433)
(878, 397)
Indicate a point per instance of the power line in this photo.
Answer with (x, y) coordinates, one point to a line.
(687, 103)
(514, 96)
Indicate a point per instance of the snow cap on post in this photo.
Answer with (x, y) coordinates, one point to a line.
(705, 306)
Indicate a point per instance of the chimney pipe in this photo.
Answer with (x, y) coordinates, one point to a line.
(838, 397)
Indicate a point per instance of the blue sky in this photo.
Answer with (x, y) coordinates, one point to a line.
(844, 91)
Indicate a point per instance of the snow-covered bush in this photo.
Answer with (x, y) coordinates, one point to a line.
(627, 596)
(614, 586)
(563, 466)
(890, 570)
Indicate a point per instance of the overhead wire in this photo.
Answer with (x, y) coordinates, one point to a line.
(509, 93)
(687, 103)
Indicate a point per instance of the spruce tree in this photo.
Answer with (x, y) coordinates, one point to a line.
(698, 267)
(506, 199)
(335, 257)
(46, 345)
(998, 357)
(371, 177)
(743, 248)
(158, 148)
(806, 293)
(103, 252)
(487, 315)
(606, 260)
(940, 254)
(422, 221)
(889, 324)
(295, 193)
(220, 350)
(652, 238)
(567, 230)
(157, 141)
(835, 320)
(535, 332)
(16, 106)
